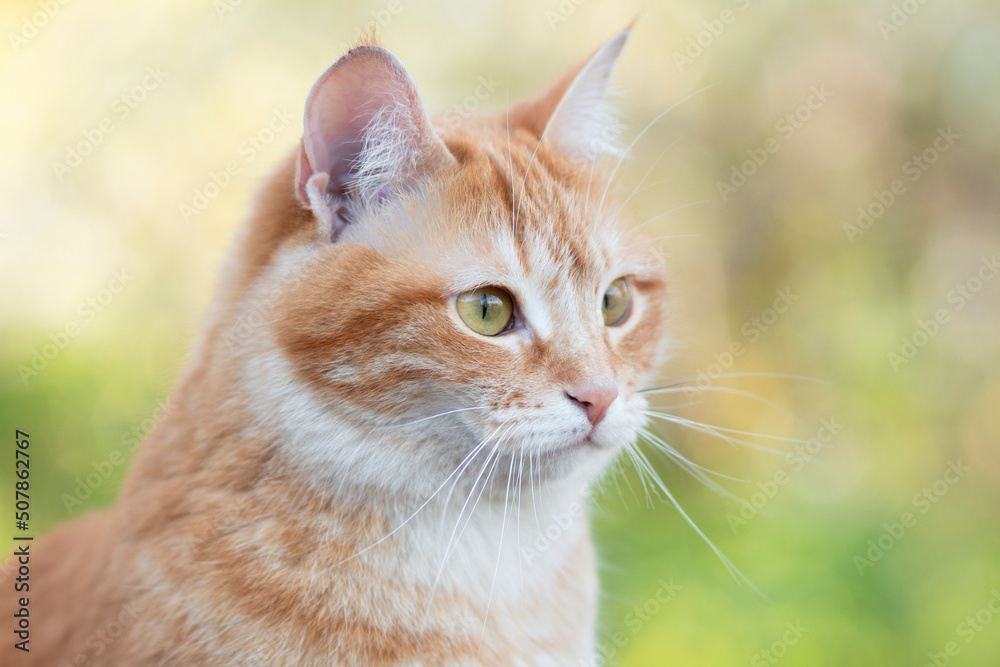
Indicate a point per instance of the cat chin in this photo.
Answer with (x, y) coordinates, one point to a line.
(586, 458)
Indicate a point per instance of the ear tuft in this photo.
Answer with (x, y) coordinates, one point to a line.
(366, 136)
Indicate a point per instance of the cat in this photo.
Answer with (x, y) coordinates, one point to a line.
(430, 337)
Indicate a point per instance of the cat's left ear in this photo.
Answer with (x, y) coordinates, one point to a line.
(573, 114)
(366, 136)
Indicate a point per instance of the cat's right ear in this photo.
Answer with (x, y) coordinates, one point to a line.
(366, 136)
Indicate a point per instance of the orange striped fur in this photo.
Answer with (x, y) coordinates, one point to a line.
(350, 476)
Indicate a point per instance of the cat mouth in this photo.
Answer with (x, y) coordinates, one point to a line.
(581, 445)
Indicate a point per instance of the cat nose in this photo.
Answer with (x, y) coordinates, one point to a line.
(595, 398)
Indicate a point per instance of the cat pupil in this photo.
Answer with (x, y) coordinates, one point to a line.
(484, 300)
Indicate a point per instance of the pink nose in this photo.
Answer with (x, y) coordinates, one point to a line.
(595, 399)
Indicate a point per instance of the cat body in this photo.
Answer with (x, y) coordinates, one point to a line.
(350, 472)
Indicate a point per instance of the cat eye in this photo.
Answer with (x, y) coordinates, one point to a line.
(488, 310)
(614, 305)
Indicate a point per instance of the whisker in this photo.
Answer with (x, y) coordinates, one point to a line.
(711, 430)
(453, 541)
(503, 529)
(694, 469)
(440, 414)
(519, 488)
(674, 455)
(447, 501)
(629, 484)
(674, 236)
(678, 420)
(618, 486)
(682, 382)
(639, 188)
(590, 180)
(722, 390)
(665, 213)
(456, 471)
(538, 524)
(640, 135)
(510, 158)
(733, 570)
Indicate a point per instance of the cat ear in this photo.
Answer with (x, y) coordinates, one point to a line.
(366, 135)
(573, 115)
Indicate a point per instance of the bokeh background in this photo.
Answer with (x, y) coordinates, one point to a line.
(813, 262)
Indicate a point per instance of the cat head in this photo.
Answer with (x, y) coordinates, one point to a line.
(440, 291)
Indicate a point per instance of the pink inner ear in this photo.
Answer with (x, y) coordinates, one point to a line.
(341, 107)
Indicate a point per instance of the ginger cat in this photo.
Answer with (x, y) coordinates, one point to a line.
(429, 339)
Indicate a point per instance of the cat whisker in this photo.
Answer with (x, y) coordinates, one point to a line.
(693, 469)
(720, 390)
(503, 530)
(639, 188)
(666, 213)
(685, 381)
(440, 414)
(674, 236)
(618, 486)
(720, 433)
(629, 484)
(639, 136)
(678, 420)
(456, 535)
(671, 452)
(647, 485)
(590, 181)
(520, 493)
(733, 570)
(448, 549)
(456, 471)
(510, 158)
(447, 501)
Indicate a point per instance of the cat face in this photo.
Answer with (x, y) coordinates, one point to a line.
(467, 291)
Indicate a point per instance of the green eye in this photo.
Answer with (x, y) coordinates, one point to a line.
(614, 305)
(487, 310)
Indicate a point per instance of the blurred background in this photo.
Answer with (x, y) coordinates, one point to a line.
(829, 208)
